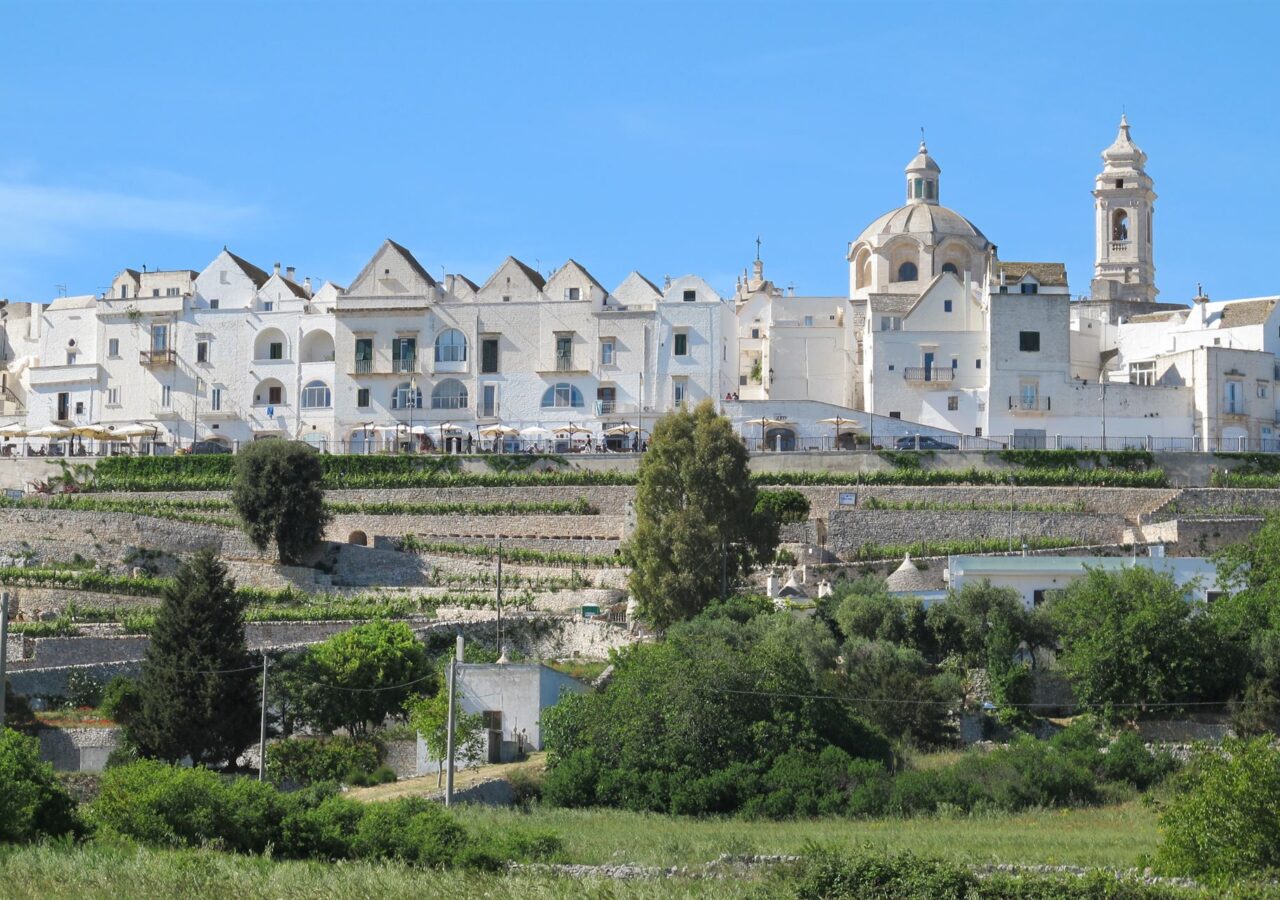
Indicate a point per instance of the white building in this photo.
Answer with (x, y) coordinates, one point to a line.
(1033, 577)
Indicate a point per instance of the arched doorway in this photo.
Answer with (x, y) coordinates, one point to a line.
(358, 538)
(780, 439)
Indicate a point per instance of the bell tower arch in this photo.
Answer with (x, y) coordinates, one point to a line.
(1124, 203)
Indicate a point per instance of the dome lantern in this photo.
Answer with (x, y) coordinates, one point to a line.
(922, 178)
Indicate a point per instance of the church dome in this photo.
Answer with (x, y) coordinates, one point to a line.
(921, 220)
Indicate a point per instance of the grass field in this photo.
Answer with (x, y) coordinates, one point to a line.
(1106, 836)
(97, 871)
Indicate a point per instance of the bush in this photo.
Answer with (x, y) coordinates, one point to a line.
(1128, 760)
(411, 830)
(121, 699)
(33, 804)
(784, 506)
(1223, 822)
(277, 493)
(309, 760)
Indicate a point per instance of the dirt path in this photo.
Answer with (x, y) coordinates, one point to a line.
(425, 786)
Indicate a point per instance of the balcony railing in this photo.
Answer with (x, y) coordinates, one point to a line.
(157, 357)
(933, 373)
(1030, 404)
(364, 366)
(1120, 246)
(564, 364)
(404, 364)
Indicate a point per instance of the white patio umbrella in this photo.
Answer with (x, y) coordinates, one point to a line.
(842, 425)
(534, 432)
(765, 423)
(13, 429)
(130, 430)
(486, 431)
(623, 429)
(50, 431)
(572, 429)
(95, 431)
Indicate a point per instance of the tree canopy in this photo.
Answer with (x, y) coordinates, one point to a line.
(277, 492)
(198, 695)
(696, 520)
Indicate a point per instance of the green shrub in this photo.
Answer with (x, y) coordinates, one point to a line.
(84, 690)
(1128, 760)
(1223, 821)
(410, 830)
(785, 506)
(308, 760)
(120, 699)
(383, 775)
(33, 804)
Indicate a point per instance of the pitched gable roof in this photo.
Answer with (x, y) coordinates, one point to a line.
(256, 275)
(574, 267)
(1049, 274)
(531, 272)
(531, 275)
(369, 273)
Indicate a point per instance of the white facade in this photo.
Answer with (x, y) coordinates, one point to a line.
(937, 337)
(1034, 576)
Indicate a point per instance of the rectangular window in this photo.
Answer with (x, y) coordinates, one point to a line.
(1029, 395)
(275, 350)
(364, 356)
(955, 363)
(213, 304)
(1234, 397)
(977, 432)
(124, 292)
(953, 403)
(159, 338)
(895, 414)
(890, 323)
(1262, 390)
(488, 355)
(755, 334)
(172, 292)
(977, 363)
(564, 353)
(202, 351)
(808, 321)
(506, 298)
(268, 306)
(946, 306)
(606, 351)
(606, 401)
(166, 396)
(64, 407)
(222, 277)
(71, 357)
(1037, 597)
(113, 396)
(678, 389)
(1143, 373)
(215, 399)
(362, 398)
(404, 354)
(275, 395)
(681, 344)
(113, 347)
(1029, 341)
(573, 293)
(690, 296)
(489, 400)
(1030, 288)
(155, 292)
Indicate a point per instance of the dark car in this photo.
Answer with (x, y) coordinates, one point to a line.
(923, 443)
(200, 448)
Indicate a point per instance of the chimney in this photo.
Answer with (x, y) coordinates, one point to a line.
(459, 657)
(771, 586)
(666, 282)
(449, 281)
(277, 268)
(306, 285)
(291, 273)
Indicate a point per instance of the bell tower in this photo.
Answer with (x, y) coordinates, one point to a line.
(1124, 200)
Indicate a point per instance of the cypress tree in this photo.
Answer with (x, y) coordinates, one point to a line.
(185, 710)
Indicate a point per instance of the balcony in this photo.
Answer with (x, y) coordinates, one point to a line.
(162, 412)
(1121, 246)
(564, 364)
(156, 358)
(404, 364)
(1030, 404)
(363, 367)
(919, 374)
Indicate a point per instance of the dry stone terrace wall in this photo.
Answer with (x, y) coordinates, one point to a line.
(107, 535)
(533, 525)
(1200, 537)
(848, 530)
(1219, 502)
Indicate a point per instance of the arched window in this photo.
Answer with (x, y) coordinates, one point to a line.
(562, 395)
(950, 267)
(405, 397)
(1120, 226)
(316, 395)
(449, 394)
(451, 346)
(862, 268)
(907, 272)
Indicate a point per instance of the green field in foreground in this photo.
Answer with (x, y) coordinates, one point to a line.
(1106, 836)
(97, 871)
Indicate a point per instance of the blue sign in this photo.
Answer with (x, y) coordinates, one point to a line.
(848, 498)
(271, 412)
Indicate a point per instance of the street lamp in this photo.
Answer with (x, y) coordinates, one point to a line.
(413, 404)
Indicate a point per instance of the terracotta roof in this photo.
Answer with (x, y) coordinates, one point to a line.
(1247, 312)
(256, 275)
(1052, 274)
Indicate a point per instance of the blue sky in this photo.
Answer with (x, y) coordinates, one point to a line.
(662, 137)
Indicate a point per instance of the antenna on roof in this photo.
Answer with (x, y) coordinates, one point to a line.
(62, 289)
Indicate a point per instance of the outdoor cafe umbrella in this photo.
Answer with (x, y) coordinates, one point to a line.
(50, 431)
(623, 429)
(14, 429)
(131, 430)
(839, 423)
(572, 429)
(95, 432)
(498, 431)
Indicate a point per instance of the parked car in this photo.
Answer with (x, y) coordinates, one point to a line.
(923, 443)
(200, 448)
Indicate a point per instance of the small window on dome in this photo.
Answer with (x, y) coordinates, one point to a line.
(908, 272)
(931, 190)
(919, 186)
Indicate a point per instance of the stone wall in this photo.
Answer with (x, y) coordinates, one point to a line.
(1220, 502)
(260, 574)
(109, 536)
(37, 603)
(78, 749)
(402, 757)
(1200, 537)
(51, 652)
(52, 682)
(533, 525)
(848, 530)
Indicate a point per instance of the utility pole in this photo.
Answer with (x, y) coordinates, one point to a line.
(449, 725)
(499, 596)
(262, 732)
(4, 650)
